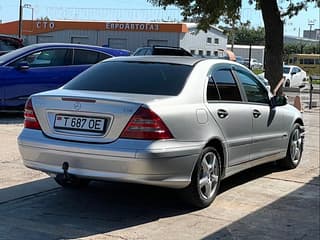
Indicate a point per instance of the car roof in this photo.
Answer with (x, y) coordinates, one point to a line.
(183, 60)
(75, 45)
(289, 66)
(33, 47)
(8, 36)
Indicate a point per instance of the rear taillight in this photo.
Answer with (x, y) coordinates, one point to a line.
(30, 119)
(145, 124)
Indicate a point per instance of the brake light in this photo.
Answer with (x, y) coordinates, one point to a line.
(147, 125)
(30, 119)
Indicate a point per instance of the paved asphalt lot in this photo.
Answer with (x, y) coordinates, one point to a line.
(260, 203)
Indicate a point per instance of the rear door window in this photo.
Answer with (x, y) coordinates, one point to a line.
(133, 77)
(7, 45)
(84, 57)
(253, 88)
(228, 89)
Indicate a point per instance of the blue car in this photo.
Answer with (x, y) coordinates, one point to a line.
(46, 66)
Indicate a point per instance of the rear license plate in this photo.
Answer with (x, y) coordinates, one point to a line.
(78, 123)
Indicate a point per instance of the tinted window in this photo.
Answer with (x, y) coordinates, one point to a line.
(170, 52)
(133, 77)
(86, 57)
(140, 52)
(226, 85)
(212, 91)
(296, 70)
(7, 45)
(253, 87)
(286, 70)
(46, 58)
(103, 56)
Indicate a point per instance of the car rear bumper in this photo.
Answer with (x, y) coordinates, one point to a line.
(160, 163)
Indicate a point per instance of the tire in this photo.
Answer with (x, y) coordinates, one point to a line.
(205, 179)
(71, 182)
(294, 150)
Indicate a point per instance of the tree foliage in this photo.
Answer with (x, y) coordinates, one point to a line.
(245, 35)
(213, 11)
(293, 48)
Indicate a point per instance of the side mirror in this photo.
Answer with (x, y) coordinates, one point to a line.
(276, 101)
(293, 73)
(23, 65)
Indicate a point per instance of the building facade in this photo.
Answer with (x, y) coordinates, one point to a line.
(312, 34)
(123, 35)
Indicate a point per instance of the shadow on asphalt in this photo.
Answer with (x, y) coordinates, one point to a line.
(11, 117)
(294, 216)
(100, 208)
(104, 207)
(249, 175)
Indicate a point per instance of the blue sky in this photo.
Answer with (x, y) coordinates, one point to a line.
(142, 11)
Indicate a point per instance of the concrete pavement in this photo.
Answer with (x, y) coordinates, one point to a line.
(260, 203)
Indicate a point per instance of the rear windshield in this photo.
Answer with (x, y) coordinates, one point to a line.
(133, 77)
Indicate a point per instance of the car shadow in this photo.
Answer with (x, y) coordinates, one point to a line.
(102, 207)
(11, 117)
(46, 211)
(294, 216)
(249, 175)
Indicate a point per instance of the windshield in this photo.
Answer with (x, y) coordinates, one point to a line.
(286, 70)
(133, 77)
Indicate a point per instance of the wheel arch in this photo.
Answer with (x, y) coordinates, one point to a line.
(299, 121)
(220, 147)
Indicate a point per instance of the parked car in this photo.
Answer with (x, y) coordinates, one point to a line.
(161, 50)
(41, 67)
(176, 122)
(9, 43)
(294, 76)
(254, 64)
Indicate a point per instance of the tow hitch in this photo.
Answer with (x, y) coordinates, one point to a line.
(65, 167)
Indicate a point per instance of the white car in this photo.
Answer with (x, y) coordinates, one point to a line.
(254, 64)
(294, 76)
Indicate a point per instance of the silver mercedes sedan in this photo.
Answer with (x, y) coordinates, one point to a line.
(177, 122)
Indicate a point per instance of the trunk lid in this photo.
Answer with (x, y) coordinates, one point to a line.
(87, 116)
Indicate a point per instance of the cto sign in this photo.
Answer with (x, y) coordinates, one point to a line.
(45, 25)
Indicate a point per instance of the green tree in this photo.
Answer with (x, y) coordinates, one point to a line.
(244, 34)
(211, 12)
(292, 48)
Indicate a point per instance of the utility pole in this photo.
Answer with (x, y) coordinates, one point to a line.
(20, 20)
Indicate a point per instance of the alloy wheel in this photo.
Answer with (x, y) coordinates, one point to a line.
(209, 175)
(296, 146)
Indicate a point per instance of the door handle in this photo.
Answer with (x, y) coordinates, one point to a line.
(222, 113)
(256, 113)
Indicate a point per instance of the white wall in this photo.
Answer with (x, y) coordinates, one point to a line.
(198, 41)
